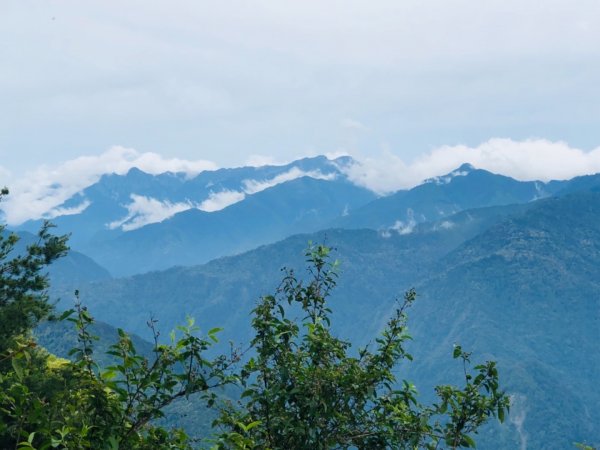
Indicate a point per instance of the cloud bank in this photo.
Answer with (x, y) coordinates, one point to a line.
(45, 188)
(146, 210)
(278, 78)
(66, 211)
(254, 186)
(220, 200)
(531, 159)
(40, 193)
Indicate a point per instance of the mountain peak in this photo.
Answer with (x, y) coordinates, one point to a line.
(135, 172)
(466, 167)
(463, 170)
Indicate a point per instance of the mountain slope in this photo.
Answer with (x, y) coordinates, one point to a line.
(192, 237)
(463, 188)
(526, 292)
(70, 271)
(223, 291)
(140, 222)
(517, 284)
(104, 208)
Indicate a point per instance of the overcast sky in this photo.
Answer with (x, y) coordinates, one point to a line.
(238, 81)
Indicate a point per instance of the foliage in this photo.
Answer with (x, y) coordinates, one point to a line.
(304, 390)
(581, 446)
(76, 405)
(23, 297)
(47, 402)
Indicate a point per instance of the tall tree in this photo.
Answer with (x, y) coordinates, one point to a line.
(23, 283)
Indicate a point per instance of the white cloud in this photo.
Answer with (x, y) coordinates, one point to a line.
(39, 191)
(336, 154)
(217, 201)
(220, 200)
(449, 177)
(154, 163)
(63, 211)
(145, 210)
(407, 226)
(445, 225)
(254, 186)
(277, 77)
(403, 228)
(531, 159)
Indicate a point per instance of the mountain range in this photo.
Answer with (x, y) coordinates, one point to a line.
(138, 222)
(507, 269)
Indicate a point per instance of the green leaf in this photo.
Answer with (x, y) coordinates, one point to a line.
(467, 441)
(113, 442)
(16, 365)
(457, 351)
(212, 334)
(501, 414)
(109, 374)
(252, 425)
(66, 314)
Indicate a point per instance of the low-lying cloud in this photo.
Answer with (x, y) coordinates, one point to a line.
(67, 211)
(38, 192)
(220, 200)
(217, 201)
(146, 210)
(254, 186)
(532, 159)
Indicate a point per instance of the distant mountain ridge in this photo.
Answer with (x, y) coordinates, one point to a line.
(193, 236)
(109, 201)
(464, 188)
(139, 222)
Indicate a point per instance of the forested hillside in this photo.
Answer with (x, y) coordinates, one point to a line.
(516, 283)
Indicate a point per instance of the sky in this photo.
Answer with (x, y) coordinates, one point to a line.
(407, 87)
